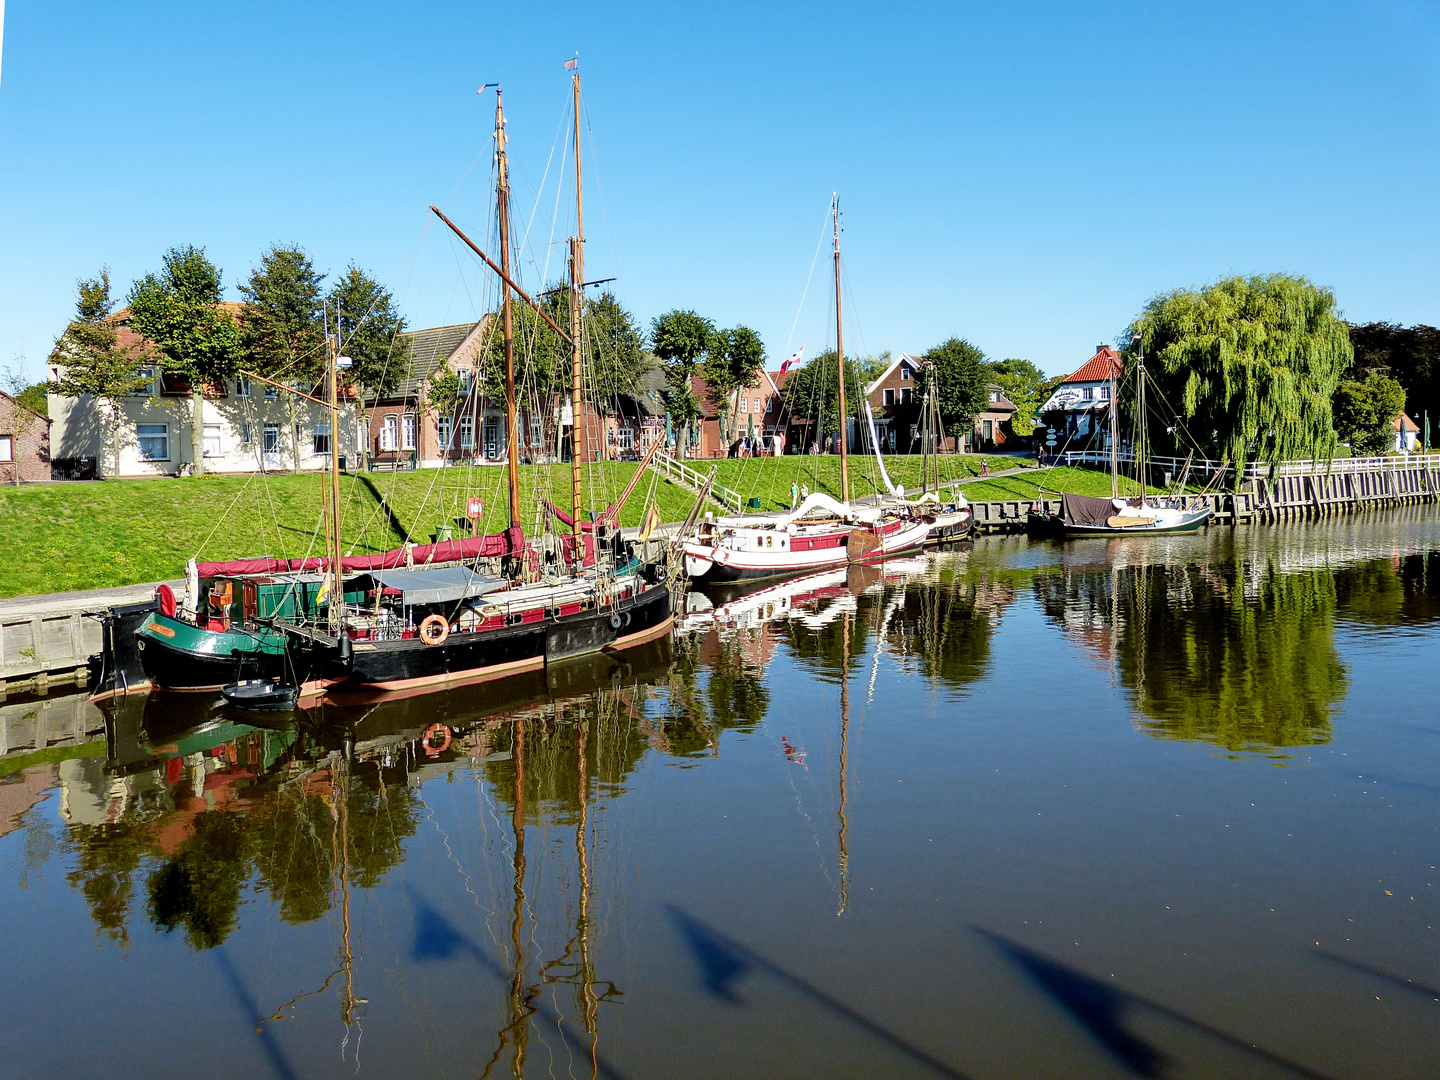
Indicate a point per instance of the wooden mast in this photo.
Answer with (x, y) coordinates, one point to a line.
(502, 204)
(839, 354)
(1114, 438)
(1140, 448)
(337, 588)
(577, 299)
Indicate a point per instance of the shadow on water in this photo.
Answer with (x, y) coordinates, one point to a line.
(724, 961)
(1103, 1009)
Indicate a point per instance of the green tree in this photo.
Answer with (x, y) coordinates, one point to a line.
(1364, 409)
(735, 359)
(961, 378)
(1244, 369)
(179, 310)
(1409, 354)
(282, 336)
(371, 334)
(1027, 388)
(813, 392)
(90, 359)
(681, 339)
(615, 354)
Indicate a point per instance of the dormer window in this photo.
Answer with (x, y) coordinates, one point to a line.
(242, 386)
(995, 396)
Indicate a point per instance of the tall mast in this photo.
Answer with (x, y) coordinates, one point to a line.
(577, 299)
(502, 204)
(337, 590)
(1114, 438)
(1140, 448)
(839, 354)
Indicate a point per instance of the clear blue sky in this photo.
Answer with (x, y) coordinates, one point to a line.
(1025, 176)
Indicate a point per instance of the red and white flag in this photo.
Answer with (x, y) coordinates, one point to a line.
(794, 359)
(571, 65)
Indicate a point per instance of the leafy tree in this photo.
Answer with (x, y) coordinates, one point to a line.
(1364, 409)
(681, 339)
(33, 397)
(372, 334)
(1409, 354)
(813, 392)
(282, 336)
(179, 309)
(1027, 388)
(1248, 366)
(735, 358)
(961, 381)
(91, 359)
(614, 344)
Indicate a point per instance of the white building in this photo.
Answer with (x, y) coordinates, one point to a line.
(1080, 406)
(245, 426)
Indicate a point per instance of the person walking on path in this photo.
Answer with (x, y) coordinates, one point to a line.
(794, 495)
(984, 468)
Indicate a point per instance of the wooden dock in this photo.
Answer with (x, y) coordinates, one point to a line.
(1286, 492)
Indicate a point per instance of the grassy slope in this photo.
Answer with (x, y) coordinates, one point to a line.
(60, 537)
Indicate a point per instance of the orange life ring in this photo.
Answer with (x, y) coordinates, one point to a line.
(434, 630)
(431, 750)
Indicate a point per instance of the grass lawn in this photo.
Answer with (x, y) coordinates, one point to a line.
(118, 532)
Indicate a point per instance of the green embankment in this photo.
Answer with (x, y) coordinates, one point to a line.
(61, 537)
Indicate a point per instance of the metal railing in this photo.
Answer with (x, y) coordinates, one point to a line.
(1259, 470)
(678, 470)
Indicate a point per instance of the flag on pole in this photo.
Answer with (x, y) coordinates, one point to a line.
(572, 64)
(652, 519)
(795, 359)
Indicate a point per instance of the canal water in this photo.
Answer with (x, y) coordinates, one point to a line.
(1109, 808)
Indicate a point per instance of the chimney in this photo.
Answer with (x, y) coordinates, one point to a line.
(1101, 347)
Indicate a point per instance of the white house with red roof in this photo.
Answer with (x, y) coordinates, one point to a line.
(1080, 406)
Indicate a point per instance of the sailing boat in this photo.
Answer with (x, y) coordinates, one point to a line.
(392, 626)
(1084, 515)
(822, 531)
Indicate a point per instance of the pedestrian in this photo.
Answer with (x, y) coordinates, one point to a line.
(804, 492)
(794, 495)
(984, 469)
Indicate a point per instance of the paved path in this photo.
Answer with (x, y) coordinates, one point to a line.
(85, 600)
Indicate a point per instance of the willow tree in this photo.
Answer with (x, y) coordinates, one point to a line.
(1244, 369)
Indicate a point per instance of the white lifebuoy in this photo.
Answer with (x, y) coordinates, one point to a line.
(434, 630)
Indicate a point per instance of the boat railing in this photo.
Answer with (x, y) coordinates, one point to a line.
(694, 478)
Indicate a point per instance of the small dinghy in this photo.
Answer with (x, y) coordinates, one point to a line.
(262, 695)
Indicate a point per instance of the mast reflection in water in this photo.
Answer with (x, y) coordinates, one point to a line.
(721, 856)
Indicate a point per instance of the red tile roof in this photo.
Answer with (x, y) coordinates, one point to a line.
(1099, 367)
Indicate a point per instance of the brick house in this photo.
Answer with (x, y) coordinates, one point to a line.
(753, 415)
(993, 428)
(895, 400)
(24, 443)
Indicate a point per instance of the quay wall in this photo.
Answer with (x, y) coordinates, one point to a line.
(1288, 493)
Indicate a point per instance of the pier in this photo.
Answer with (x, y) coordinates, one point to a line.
(1286, 492)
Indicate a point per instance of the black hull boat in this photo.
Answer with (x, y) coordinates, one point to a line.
(482, 655)
(261, 695)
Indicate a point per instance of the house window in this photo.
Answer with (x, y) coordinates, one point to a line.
(389, 430)
(272, 438)
(244, 434)
(7, 448)
(744, 404)
(1104, 393)
(989, 427)
(1087, 394)
(889, 397)
(757, 406)
(212, 440)
(892, 440)
(151, 373)
(442, 427)
(904, 372)
(153, 441)
(627, 438)
(271, 391)
(905, 396)
(321, 438)
(994, 396)
(242, 386)
(409, 443)
(467, 432)
(535, 433)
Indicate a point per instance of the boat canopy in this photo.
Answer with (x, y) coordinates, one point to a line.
(1088, 510)
(439, 585)
(509, 542)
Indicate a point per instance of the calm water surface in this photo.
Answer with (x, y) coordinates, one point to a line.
(1144, 807)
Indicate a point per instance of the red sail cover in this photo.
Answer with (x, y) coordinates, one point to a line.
(509, 542)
